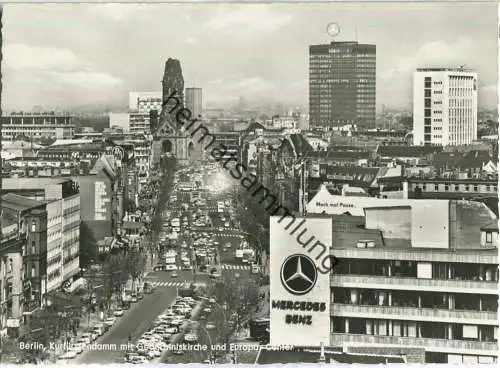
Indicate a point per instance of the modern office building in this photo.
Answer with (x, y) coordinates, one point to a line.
(37, 125)
(62, 204)
(342, 85)
(134, 122)
(144, 102)
(444, 106)
(194, 102)
(413, 276)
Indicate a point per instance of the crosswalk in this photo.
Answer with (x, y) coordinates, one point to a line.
(176, 284)
(235, 267)
(165, 283)
(226, 235)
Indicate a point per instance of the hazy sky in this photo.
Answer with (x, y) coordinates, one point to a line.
(69, 55)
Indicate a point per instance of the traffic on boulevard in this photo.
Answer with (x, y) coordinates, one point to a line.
(192, 294)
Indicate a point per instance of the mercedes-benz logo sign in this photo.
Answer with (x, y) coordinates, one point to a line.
(298, 274)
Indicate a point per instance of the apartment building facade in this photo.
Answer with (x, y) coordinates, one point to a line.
(31, 218)
(12, 246)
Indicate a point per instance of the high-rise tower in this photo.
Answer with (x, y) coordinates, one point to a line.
(444, 106)
(194, 102)
(342, 84)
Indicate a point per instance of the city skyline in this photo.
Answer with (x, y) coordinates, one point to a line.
(262, 50)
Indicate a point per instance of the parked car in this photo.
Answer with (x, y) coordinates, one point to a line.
(118, 313)
(110, 321)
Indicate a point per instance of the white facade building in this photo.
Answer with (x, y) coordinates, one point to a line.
(144, 102)
(131, 122)
(444, 106)
(37, 125)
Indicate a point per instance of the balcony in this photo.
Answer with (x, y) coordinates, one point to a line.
(430, 345)
(414, 314)
(413, 284)
(423, 255)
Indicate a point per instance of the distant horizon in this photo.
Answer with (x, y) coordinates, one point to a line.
(258, 51)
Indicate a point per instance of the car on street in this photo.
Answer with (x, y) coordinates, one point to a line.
(140, 360)
(110, 321)
(78, 347)
(84, 339)
(191, 337)
(99, 329)
(210, 326)
(70, 354)
(118, 313)
(174, 274)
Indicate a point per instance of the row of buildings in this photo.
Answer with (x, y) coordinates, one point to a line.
(63, 207)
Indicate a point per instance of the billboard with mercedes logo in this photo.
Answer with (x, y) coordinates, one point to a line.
(300, 292)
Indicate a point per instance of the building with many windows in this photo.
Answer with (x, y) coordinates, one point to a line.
(413, 274)
(444, 106)
(31, 218)
(144, 102)
(12, 245)
(342, 85)
(62, 203)
(36, 125)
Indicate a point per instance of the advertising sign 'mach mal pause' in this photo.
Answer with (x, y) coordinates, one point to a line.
(300, 288)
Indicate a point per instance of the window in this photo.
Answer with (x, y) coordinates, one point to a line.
(11, 263)
(475, 188)
(466, 187)
(436, 187)
(33, 225)
(33, 271)
(424, 187)
(33, 247)
(489, 238)
(457, 187)
(446, 187)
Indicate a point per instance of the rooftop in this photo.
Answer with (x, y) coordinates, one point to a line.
(445, 69)
(468, 160)
(407, 151)
(312, 355)
(30, 183)
(17, 202)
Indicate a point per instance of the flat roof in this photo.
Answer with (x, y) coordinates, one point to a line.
(30, 183)
(445, 69)
(18, 202)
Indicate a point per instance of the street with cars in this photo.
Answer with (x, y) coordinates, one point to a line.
(175, 309)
